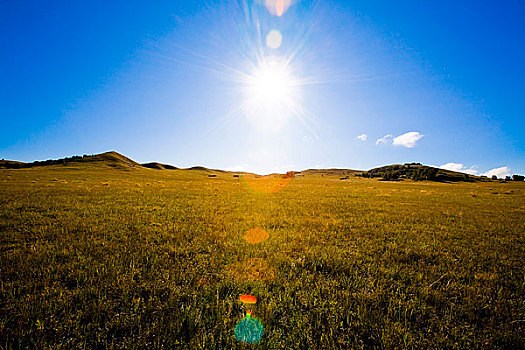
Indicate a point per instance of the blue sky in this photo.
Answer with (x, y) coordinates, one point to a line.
(188, 83)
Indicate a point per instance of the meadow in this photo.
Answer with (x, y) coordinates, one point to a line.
(99, 257)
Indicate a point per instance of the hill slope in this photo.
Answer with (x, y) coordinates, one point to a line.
(112, 159)
(159, 166)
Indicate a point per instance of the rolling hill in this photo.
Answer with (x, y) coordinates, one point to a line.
(112, 159)
(394, 172)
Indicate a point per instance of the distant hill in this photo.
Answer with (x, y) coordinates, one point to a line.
(112, 159)
(201, 168)
(336, 172)
(394, 172)
(159, 166)
(9, 164)
(109, 159)
(417, 172)
(198, 168)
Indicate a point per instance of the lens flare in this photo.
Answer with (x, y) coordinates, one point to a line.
(274, 39)
(266, 184)
(249, 330)
(248, 299)
(277, 7)
(256, 235)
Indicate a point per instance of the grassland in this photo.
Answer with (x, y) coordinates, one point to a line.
(93, 257)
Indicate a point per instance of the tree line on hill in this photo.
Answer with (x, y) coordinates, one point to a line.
(412, 171)
(61, 161)
(418, 172)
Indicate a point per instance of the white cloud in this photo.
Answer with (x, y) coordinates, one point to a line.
(363, 137)
(452, 166)
(384, 139)
(408, 139)
(239, 168)
(499, 172)
(459, 167)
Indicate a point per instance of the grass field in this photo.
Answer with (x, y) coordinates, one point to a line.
(93, 257)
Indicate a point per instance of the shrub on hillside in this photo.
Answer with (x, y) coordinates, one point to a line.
(518, 177)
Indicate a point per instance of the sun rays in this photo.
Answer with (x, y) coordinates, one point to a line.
(261, 64)
(265, 68)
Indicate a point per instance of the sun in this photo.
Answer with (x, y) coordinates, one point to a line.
(271, 83)
(270, 86)
(271, 93)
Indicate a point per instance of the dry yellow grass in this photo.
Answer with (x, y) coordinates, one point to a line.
(159, 258)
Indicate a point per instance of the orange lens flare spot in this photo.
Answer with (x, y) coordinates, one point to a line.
(248, 299)
(256, 235)
(269, 183)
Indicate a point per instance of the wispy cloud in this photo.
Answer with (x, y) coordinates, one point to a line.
(384, 139)
(499, 172)
(408, 139)
(459, 167)
(363, 137)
